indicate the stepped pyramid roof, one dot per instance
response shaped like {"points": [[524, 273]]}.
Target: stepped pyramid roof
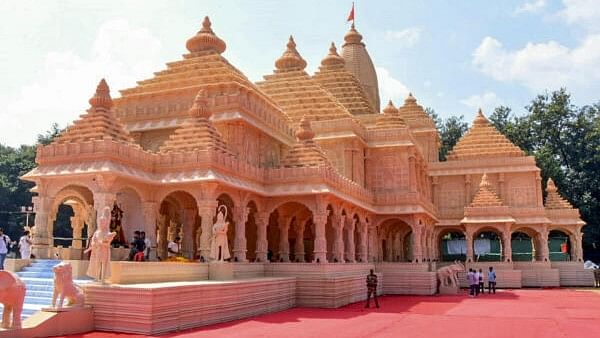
{"points": [[98, 123], [390, 119], [485, 196], [483, 140], [554, 200], [306, 152], [197, 132], [413, 113], [299, 94], [203, 67], [334, 77]]}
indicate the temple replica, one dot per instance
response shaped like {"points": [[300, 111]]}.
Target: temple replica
{"points": [[319, 185]]}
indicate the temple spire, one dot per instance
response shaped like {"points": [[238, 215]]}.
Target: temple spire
{"points": [[306, 152]]}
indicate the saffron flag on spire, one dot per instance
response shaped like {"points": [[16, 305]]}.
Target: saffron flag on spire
{"points": [[351, 15]]}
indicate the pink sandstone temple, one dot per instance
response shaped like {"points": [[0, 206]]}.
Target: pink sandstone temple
{"points": [[321, 184]]}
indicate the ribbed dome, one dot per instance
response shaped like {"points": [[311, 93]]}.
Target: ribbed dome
{"points": [[553, 199], [101, 98], [485, 196], [291, 59], [390, 108], [205, 40], [390, 119], [306, 152]]}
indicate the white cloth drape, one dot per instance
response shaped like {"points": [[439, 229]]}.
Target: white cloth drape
{"points": [[482, 246]]}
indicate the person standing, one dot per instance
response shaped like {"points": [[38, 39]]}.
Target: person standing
{"points": [[472, 282], [491, 280], [4, 246], [372, 289], [481, 285], [25, 243], [147, 244]]}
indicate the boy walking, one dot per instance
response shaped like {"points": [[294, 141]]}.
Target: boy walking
{"points": [[472, 282], [491, 280]]}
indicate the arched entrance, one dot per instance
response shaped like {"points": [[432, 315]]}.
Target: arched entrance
{"points": [[70, 222], [452, 245], [178, 217], [559, 244], [395, 241], [130, 204], [290, 233], [488, 245]]}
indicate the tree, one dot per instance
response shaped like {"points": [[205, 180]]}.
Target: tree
{"points": [[450, 130]]}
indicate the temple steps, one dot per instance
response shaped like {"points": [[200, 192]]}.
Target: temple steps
{"points": [[39, 280]]}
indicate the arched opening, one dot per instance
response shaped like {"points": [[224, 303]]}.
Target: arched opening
{"points": [[178, 218], [453, 245], [70, 222], [395, 241], [487, 246], [559, 244], [131, 219], [251, 232], [523, 249], [290, 234]]}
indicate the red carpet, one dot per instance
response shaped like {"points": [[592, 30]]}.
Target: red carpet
{"points": [[509, 313]]}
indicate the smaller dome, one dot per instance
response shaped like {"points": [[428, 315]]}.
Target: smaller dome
{"points": [[333, 58], [304, 131], [200, 107], [205, 40], [410, 99], [353, 36], [291, 59], [101, 98], [390, 109]]}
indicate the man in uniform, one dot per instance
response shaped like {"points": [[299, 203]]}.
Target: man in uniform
{"points": [[372, 289]]}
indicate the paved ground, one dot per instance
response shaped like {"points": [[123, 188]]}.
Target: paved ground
{"points": [[509, 313]]}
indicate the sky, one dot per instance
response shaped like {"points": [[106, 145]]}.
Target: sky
{"points": [[454, 56]]}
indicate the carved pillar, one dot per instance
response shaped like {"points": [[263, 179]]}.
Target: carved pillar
{"points": [[262, 245], [161, 236], [338, 244], [149, 212], [507, 244], [577, 247], [467, 189], [350, 248], [412, 173], [77, 226], [320, 220], [434, 192], [372, 243], [284, 243], [187, 240], [363, 254], [469, 239], [240, 218], [418, 243], [299, 248], [206, 211], [538, 190], [543, 245]]}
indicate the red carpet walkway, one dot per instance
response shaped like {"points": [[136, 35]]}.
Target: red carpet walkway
{"points": [[509, 313]]}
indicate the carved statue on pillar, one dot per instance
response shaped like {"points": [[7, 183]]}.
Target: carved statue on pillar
{"points": [[219, 249], [239, 249], [116, 226]]}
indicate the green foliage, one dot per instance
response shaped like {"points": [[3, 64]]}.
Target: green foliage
{"points": [[450, 129]]}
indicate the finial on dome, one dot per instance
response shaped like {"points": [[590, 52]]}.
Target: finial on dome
{"points": [[200, 107], [101, 98], [304, 131], [551, 187], [205, 40], [480, 119], [332, 58], [410, 99], [290, 59], [390, 108], [484, 181], [353, 36]]}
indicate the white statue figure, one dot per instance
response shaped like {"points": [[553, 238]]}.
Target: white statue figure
{"points": [[448, 277], [99, 267], [64, 287], [219, 248]]}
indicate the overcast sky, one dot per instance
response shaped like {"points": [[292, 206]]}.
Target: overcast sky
{"points": [[455, 56]]}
